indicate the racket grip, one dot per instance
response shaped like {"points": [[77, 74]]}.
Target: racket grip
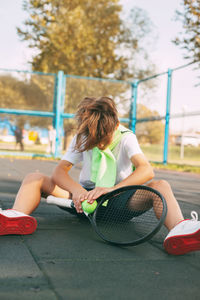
{"points": [[59, 201]]}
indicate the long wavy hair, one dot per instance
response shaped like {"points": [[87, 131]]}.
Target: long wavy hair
{"points": [[97, 119]]}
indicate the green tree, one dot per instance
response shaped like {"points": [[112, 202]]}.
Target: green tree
{"points": [[87, 38], [32, 93], [189, 38], [149, 132]]}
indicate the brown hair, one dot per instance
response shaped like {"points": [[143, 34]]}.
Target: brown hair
{"points": [[97, 119]]}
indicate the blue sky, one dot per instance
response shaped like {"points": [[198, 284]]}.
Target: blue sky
{"points": [[14, 54], [161, 13]]}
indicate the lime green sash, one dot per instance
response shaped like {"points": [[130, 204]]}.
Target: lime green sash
{"points": [[104, 165]]}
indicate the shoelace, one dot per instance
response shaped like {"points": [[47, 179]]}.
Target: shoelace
{"points": [[194, 215]]}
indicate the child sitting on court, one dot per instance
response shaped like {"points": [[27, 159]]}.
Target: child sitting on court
{"points": [[99, 132]]}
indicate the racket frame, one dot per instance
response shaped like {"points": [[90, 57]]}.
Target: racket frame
{"points": [[146, 237]]}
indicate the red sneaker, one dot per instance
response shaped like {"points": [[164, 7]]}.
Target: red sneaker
{"points": [[184, 237], [15, 222]]}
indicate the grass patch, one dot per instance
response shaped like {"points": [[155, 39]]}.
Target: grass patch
{"points": [[177, 167], [154, 153], [191, 155]]}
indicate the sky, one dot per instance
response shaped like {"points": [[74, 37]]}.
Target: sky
{"points": [[14, 54]]}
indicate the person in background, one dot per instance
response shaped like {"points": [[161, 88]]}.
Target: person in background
{"points": [[18, 132], [51, 139]]}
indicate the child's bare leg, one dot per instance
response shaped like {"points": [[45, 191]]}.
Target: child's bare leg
{"points": [[174, 214], [29, 194]]}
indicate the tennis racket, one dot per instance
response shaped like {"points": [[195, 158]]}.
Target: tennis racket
{"points": [[126, 216]]}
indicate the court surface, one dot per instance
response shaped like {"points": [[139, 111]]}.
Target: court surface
{"points": [[64, 259]]}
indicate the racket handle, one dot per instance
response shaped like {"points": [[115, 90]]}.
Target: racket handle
{"points": [[59, 201]]}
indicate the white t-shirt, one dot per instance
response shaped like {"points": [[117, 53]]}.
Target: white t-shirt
{"points": [[123, 152]]}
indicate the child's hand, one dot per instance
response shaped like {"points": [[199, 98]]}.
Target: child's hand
{"points": [[97, 192], [78, 198]]}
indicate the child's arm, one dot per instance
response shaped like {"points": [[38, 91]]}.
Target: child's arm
{"points": [[143, 172], [62, 178]]}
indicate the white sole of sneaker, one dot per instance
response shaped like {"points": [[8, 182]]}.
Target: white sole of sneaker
{"points": [[19, 225], [182, 244]]}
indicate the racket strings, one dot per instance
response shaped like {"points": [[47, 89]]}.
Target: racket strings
{"points": [[129, 215]]}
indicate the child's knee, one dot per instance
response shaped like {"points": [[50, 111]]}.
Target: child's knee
{"points": [[35, 177], [160, 184]]}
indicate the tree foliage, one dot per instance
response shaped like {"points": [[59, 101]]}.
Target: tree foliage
{"points": [[86, 37], [151, 131], [189, 38], [27, 93]]}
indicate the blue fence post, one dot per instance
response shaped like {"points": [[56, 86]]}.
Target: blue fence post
{"points": [[55, 99], [167, 117], [61, 126], [133, 108], [59, 109]]}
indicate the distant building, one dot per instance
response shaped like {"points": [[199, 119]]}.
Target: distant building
{"points": [[188, 139]]}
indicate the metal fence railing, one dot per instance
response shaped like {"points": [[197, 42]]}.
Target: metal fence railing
{"points": [[147, 106]]}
